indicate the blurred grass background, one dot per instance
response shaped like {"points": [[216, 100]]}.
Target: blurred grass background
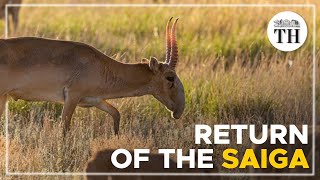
{"points": [[230, 71]]}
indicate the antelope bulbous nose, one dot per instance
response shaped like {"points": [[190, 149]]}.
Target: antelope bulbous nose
{"points": [[177, 114]]}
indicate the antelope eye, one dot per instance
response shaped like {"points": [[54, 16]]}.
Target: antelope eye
{"points": [[171, 79]]}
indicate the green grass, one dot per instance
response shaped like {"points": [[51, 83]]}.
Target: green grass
{"points": [[230, 72]]}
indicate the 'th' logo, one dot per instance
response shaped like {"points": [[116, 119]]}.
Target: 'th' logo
{"points": [[291, 30], [287, 31]]}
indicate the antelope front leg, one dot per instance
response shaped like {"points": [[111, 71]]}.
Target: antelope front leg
{"points": [[108, 108], [3, 100]]}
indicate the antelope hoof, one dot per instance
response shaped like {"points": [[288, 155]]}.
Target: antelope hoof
{"points": [[65, 132]]}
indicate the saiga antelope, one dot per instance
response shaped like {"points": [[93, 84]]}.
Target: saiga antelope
{"points": [[73, 73], [12, 11]]}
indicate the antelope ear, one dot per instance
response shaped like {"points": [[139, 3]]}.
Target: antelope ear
{"points": [[154, 64], [144, 60]]}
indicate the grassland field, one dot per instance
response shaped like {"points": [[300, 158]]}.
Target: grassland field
{"points": [[230, 71]]}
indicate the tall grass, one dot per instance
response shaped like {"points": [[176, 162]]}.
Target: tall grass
{"points": [[230, 72]]}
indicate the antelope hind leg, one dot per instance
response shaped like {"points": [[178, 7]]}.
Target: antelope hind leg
{"points": [[15, 18], [70, 104]]}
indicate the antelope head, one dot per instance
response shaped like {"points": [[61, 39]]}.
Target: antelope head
{"points": [[166, 85]]}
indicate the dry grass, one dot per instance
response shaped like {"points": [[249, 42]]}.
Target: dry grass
{"points": [[230, 72]]}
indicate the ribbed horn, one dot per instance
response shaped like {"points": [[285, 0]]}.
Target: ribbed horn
{"points": [[168, 41], [174, 47]]}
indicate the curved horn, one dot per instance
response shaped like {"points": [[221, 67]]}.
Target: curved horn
{"points": [[174, 47], [168, 41]]}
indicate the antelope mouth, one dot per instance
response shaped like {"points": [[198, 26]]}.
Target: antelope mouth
{"points": [[176, 115]]}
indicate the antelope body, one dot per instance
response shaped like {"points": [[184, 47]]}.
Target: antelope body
{"points": [[73, 73], [12, 11]]}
